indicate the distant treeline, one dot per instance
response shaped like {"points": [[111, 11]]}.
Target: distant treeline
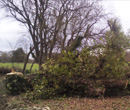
{"points": [[17, 55]]}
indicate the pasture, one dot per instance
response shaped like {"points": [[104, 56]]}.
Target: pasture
{"points": [[20, 66]]}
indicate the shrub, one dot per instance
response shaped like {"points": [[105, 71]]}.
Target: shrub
{"points": [[4, 70], [16, 84], [66, 76], [113, 66], [76, 73]]}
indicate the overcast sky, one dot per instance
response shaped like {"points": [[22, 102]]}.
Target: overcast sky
{"points": [[121, 9], [10, 30]]}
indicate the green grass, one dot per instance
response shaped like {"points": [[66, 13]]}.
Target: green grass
{"points": [[20, 65]]}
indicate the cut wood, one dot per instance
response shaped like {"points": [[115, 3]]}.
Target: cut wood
{"points": [[115, 83]]}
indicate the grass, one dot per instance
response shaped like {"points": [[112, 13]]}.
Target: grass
{"points": [[20, 65]]}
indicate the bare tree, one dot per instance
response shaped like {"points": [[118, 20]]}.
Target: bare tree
{"points": [[54, 24]]}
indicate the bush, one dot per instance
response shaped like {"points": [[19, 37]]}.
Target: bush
{"points": [[16, 84], [76, 74], [113, 66], [4, 70], [67, 76]]}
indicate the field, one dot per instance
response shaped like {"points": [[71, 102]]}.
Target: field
{"points": [[19, 65]]}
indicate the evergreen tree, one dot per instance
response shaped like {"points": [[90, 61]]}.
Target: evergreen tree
{"points": [[112, 60], [18, 55], [76, 43]]}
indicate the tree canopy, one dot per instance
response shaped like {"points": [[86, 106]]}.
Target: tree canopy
{"points": [[54, 25], [18, 55]]}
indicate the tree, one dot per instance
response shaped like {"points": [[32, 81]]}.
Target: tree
{"points": [[54, 25], [112, 59], [18, 55], [116, 40], [5, 57]]}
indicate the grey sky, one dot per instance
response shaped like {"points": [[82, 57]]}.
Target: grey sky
{"points": [[121, 10], [10, 30]]}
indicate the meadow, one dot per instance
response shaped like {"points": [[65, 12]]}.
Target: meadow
{"points": [[20, 66]]}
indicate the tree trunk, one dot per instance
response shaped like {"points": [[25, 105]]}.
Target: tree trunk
{"points": [[115, 83], [26, 61], [31, 66]]}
